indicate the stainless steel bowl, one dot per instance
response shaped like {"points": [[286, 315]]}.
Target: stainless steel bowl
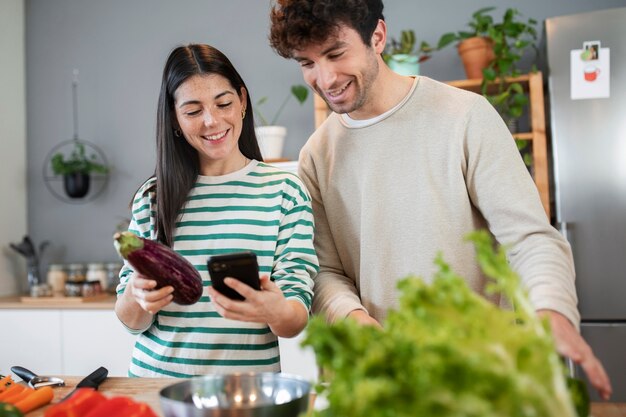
{"points": [[237, 395]]}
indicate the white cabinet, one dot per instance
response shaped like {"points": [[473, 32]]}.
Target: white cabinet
{"points": [[296, 360], [92, 339], [78, 341], [64, 342], [32, 339]]}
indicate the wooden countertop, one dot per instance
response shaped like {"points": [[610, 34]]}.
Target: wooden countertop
{"points": [[147, 390], [141, 389], [57, 303]]}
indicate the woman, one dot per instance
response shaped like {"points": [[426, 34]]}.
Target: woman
{"points": [[211, 194]]}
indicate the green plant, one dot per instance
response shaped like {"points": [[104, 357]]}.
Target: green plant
{"points": [[406, 46], [481, 24], [78, 162], [511, 38], [300, 92], [445, 351]]}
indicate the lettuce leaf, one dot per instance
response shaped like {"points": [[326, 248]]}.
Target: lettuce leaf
{"points": [[446, 351]]}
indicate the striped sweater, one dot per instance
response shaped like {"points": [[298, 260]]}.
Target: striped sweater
{"points": [[259, 208]]}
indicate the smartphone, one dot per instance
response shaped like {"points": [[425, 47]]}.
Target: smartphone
{"points": [[240, 265]]}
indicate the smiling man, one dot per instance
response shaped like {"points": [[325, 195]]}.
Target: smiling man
{"points": [[405, 167]]}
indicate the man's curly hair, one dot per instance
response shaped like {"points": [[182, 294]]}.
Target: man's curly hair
{"points": [[297, 24]]}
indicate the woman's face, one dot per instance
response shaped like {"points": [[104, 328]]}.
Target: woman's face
{"points": [[209, 114]]}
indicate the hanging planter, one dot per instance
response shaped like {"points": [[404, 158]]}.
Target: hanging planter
{"points": [[76, 170], [76, 162], [76, 184]]}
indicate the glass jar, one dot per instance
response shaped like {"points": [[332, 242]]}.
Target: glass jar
{"points": [[96, 272], [73, 288], [113, 276], [76, 272], [90, 288], [56, 278]]}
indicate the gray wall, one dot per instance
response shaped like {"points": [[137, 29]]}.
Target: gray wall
{"points": [[120, 47]]}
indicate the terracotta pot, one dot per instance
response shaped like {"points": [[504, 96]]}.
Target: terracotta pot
{"points": [[476, 54]]}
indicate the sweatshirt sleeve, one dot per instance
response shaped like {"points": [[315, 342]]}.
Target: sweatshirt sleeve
{"points": [[295, 262], [500, 186], [142, 223], [336, 294]]}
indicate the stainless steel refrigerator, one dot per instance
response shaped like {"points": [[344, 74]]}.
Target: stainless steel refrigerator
{"points": [[587, 84]]}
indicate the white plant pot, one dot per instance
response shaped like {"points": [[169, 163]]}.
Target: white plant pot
{"points": [[271, 140]]}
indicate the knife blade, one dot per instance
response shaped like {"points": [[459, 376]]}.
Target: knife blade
{"points": [[93, 380]]}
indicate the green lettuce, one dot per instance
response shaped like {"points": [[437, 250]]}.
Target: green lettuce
{"points": [[446, 351]]}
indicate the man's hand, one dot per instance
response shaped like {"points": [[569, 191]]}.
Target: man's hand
{"points": [[363, 318], [570, 343]]}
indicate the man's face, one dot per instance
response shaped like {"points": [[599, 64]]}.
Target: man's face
{"points": [[342, 70]]}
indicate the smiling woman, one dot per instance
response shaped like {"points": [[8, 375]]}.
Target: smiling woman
{"points": [[212, 194], [210, 116]]}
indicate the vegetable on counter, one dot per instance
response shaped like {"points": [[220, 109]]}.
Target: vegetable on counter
{"points": [[79, 404], [5, 383], [446, 351], [87, 402], [9, 410], [25, 399], [162, 264]]}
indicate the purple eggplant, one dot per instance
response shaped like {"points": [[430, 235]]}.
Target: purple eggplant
{"points": [[162, 264]]}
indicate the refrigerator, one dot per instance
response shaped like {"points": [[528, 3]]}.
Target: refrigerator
{"points": [[586, 58]]}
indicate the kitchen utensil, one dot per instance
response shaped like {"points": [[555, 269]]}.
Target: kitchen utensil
{"points": [[93, 380], [237, 395], [36, 381]]}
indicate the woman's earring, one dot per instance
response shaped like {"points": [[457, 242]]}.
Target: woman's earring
{"points": [[243, 113], [177, 133]]}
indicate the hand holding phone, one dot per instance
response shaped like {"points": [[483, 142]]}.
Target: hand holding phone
{"points": [[239, 265]]}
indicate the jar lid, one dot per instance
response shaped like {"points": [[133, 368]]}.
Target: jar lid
{"points": [[114, 265], [75, 266], [95, 265], [56, 267]]}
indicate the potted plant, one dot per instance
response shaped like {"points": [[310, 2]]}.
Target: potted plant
{"points": [[271, 137], [475, 46], [76, 170], [402, 56], [503, 45]]}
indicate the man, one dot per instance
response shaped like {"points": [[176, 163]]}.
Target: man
{"points": [[404, 168]]}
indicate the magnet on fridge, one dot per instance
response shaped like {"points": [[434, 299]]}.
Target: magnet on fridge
{"points": [[591, 51]]}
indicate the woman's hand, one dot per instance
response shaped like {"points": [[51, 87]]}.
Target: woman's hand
{"points": [[150, 300], [269, 305]]}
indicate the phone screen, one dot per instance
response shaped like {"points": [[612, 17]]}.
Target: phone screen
{"points": [[240, 265]]}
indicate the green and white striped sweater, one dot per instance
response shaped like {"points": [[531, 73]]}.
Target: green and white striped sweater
{"points": [[259, 208]]}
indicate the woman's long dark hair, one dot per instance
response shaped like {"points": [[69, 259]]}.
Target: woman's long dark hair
{"points": [[178, 164]]}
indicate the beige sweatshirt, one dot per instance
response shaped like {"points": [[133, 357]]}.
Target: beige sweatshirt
{"points": [[389, 196]]}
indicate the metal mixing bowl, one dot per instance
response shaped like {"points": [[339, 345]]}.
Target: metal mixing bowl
{"points": [[237, 395]]}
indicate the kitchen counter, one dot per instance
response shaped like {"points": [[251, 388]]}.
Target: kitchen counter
{"points": [[147, 390], [58, 303]]}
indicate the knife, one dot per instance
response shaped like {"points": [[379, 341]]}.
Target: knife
{"points": [[93, 380]]}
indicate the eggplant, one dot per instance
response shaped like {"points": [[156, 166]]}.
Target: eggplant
{"points": [[162, 264]]}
